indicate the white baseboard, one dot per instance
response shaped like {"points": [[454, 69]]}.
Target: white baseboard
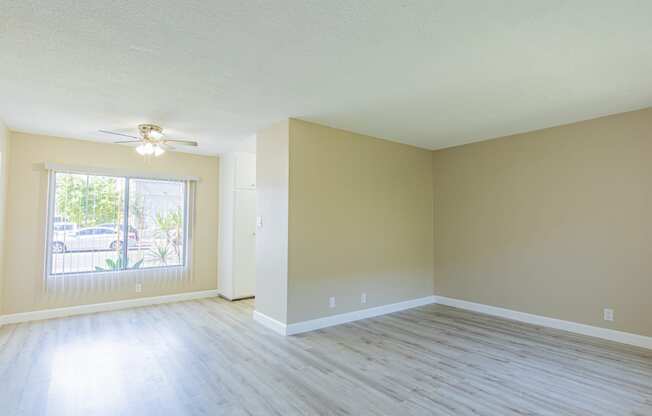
{"points": [[311, 325], [271, 323], [593, 331], [343, 318], [103, 307], [305, 326]]}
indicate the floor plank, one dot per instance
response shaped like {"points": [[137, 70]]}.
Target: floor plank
{"points": [[208, 357]]}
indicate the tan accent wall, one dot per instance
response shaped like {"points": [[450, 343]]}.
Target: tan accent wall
{"points": [[360, 220], [4, 174], [272, 173], [26, 207], [556, 222]]}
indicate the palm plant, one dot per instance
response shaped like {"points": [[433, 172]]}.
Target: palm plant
{"points": [[160, 253], [169, 224], [118, 263]]}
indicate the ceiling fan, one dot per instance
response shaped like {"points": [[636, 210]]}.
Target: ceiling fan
{"points": [[152, 140]]}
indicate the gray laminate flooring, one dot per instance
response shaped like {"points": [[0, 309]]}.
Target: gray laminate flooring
{"points": [[208, 357]]}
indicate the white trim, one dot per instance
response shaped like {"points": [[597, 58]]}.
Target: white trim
{"points": [[305, 326], [583, 329], [343, 318], [94, 170], [103, 307], [271, 323]]}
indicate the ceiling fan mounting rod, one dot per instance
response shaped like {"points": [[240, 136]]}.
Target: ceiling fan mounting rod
{"points": [[147, 129]]}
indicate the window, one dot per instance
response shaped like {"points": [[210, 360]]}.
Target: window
{"points": [[108, 223]]}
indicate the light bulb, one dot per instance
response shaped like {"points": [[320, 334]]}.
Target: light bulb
{"points": [[141, 150], [156, 135], [149, 149], [158, 150]]}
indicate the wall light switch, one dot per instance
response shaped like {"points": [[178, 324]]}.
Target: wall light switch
{"points": [[259, 221], [363, 298], [608, 314], [331, 302], [139, 287]]}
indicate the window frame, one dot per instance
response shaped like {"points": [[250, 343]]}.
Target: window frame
{"points": [[50, 221]]}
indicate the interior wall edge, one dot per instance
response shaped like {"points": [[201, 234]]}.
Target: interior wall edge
{"points": [[270, 323], [5, 140]]}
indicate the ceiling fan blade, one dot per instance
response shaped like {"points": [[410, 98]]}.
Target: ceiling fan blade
{"points": [[183, 142], [128, 141], [119, 134]]}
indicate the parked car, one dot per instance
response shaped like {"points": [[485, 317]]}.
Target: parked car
{"points": [[90, 239], [132, 230]]}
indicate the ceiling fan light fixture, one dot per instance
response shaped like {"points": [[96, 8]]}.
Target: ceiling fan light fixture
{"points": [[146, 149], [151, 140], [155, 134]]}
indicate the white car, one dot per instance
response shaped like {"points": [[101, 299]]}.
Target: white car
{"points": [[90, 239]]}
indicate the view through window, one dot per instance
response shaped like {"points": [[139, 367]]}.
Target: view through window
{"points": [[87, 231]]}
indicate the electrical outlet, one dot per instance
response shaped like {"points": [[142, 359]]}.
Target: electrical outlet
{"points": [[363, 298], [139, 287], [331, 302], [608, 314]]}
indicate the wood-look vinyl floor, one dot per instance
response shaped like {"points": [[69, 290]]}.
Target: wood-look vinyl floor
{"points": [[208, 357]]}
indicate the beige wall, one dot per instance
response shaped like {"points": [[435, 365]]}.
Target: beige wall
{"points": [[272, 205], [556, 222], [360, 221], [24, 242], [4, 170]]}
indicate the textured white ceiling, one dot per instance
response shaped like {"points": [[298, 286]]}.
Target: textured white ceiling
{"points": [[430, 73]]}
